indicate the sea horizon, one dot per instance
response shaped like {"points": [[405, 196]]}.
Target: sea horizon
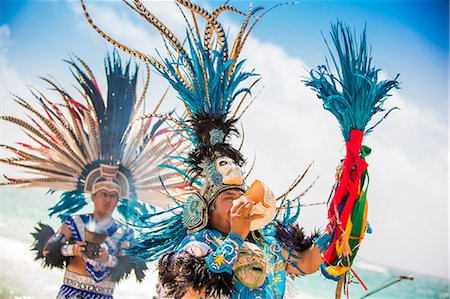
{"points": [[22, 277]]}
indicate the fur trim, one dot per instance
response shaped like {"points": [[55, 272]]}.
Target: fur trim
{"points": [[125, 264], [202, 124], [45, 239], [179, 271], [293, 237]]}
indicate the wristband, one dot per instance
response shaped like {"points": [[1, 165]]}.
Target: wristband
{"points": [[236, 238], [111, 262], [67, 250], [323, 242]]}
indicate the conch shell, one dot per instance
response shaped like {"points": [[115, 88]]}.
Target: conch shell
{"points": [[264, 204]]}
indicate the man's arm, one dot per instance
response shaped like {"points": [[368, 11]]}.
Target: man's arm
{"points": [[200, 270], [302, 254], [62, 240], [304, 262], [52, 247]]}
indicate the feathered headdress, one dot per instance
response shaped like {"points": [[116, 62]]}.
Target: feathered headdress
{"points": [[354, 95], [207, 74], [84, 147]]}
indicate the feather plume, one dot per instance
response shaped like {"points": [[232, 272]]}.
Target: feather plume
{"points": [[75, 138], [354, 94]]}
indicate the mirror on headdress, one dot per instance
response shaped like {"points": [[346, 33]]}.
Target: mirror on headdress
{"points": [[230, 171]]}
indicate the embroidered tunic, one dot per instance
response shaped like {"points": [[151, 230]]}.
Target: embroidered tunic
{"points": [[222, 252], [98, 285]]}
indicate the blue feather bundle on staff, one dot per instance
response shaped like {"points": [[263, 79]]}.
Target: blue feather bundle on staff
{"points": [[354, 95]]}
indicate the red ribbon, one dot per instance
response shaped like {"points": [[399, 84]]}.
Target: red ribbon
{"points": [[347, 189]]}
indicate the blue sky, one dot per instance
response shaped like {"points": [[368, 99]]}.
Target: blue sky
{"points": [[410, 159], [420, 29]]}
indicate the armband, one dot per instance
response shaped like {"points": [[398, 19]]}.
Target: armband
{"points": [[223, 259], [47, 245], [67, 250], [111, 262]]}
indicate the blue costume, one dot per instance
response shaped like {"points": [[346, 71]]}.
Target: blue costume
{"points": [[207, 73], [223, 254], [99, 284]]}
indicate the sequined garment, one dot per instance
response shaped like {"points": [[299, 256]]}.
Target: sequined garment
{"points": [[99, 273], [222, 253]]}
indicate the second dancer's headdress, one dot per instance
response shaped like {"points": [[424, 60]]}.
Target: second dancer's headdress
{"points": [[81, 148]]}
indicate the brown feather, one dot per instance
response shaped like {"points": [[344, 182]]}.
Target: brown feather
{"points": [[57, 133], [31, 129], [221, 36], [144, 12], [144, 92], [33, 158], [296, 182], [135, 53]]}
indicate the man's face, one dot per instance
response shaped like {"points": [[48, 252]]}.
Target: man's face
{"points": [[105, 202], [219, 218]]}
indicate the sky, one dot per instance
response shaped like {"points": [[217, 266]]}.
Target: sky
{"points": [[286, 127]]}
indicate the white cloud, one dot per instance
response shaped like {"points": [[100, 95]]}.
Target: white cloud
{"points": [[10, 81], [287, 127]]}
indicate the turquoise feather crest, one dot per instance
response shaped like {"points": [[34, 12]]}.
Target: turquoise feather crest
{"points": [[206, 81], [354, 94]]}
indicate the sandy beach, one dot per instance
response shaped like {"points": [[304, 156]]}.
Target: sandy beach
{"points": [[22, 277]]}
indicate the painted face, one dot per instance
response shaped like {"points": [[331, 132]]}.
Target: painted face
{"points": [[219, 217], [250, 268], [105, 202], [230, 171]]}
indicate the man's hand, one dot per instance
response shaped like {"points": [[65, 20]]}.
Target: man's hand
{"points": [[240, 217], [78, 249]]}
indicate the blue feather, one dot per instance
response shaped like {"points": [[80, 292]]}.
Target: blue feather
{"points": [[70, 202], [212, 89], [285, 218], [115, 115], [133, 208], [120, 103], [354, 94], [157, 236]]}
